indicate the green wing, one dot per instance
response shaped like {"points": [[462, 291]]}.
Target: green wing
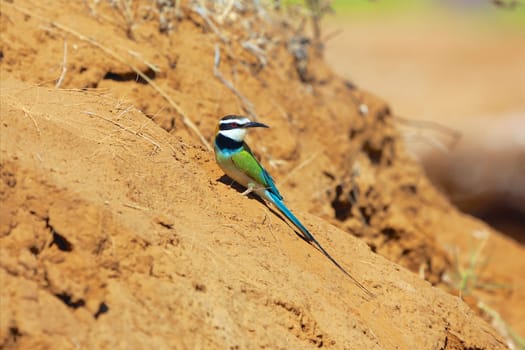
{"points": [[246, 162]]}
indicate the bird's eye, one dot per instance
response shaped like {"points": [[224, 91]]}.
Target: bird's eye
{"points": [[234, 125]]}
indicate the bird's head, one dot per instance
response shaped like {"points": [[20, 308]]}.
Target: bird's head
{"points": [[235, 126]]}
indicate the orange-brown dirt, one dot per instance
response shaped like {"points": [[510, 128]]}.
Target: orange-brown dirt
{"points": [[119, 231]]}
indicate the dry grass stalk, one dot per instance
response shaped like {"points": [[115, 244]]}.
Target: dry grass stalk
{"points": [[64, 67], [248, 106], [185, 119]]}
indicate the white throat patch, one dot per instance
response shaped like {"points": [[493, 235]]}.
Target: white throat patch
{"points": [[234, 134]]}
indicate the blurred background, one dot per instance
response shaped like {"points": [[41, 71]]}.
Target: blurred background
{"points": [[458, 64]]}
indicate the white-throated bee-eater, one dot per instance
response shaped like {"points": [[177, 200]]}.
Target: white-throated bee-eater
{"points": [[238, 162]]}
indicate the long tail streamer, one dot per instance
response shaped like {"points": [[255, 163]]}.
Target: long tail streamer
{"points": [[290, 216]]}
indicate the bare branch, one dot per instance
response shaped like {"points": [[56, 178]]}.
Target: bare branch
{"points": [[185, 119], [64, 67], [248, 106]]}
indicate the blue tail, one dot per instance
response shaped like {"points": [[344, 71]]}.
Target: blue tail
{"points": [[289, 215], [277, 201]]}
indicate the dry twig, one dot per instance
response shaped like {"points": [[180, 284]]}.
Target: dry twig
{"points": [[28, 114], [226, 11], [203, 12], [185, 119], [300, 166], [427, 124], [64, 67], [248, 106], [125, 128]]}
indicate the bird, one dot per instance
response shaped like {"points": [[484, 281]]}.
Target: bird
{"points": [[237, 161]]}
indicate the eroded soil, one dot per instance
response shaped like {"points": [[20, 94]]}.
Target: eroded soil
{"points": [[119, 231]]}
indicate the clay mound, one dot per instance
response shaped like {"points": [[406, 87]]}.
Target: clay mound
{"points": [[124, 238], [119, 231]]}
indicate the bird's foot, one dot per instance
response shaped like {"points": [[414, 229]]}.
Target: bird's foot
{"points": [[249, 190]]}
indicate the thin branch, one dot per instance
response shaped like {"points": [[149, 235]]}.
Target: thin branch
{"points": [[256, 51], [120, 126], [138, 56], [299, 167], [427, 124], [203, 12], [28, 114], [185, 119], [331, 35], [134, 206], [248, 106], [427, 140], [64, 67], [226, 11]]}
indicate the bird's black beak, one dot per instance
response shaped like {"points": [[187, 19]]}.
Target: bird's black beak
{"points": [[255, 125]]}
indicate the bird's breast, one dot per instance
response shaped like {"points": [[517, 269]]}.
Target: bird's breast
{"points": [[227, 165]]}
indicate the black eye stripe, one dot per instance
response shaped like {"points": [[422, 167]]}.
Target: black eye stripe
{"points": [[228, 126]]}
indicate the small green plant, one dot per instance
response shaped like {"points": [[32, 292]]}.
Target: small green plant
{"points": [[466, 278]]}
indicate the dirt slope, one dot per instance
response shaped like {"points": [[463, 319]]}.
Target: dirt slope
{"points": [[114, 241], [118, 230]]}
